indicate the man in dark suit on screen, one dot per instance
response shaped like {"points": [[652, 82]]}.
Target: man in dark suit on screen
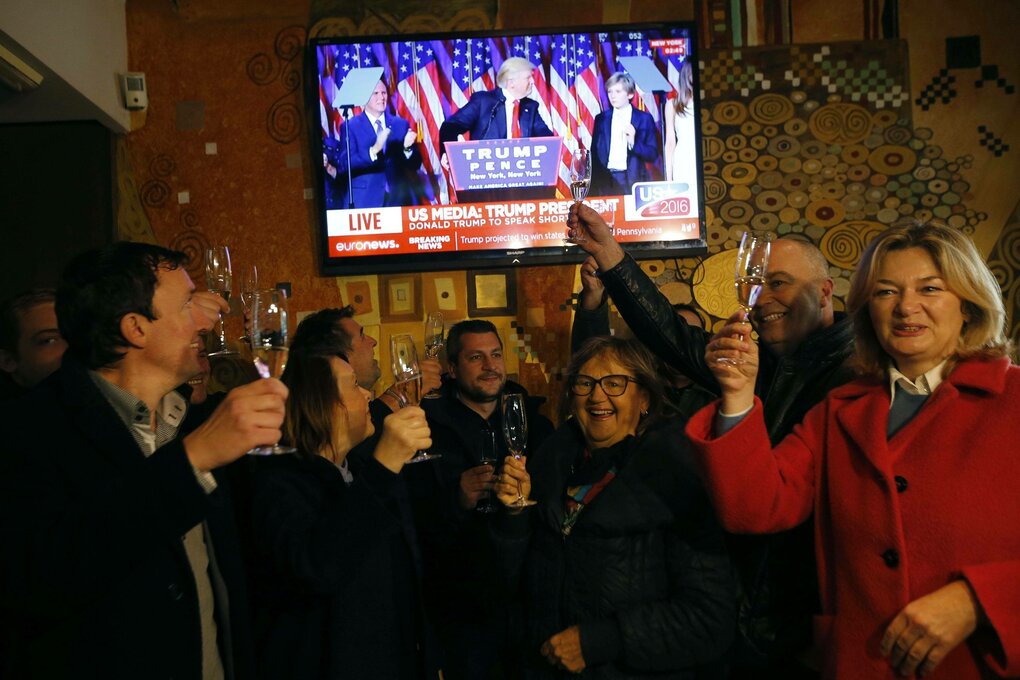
{"points": [[623, 141], [504, 113], [492, 115], [383, 162]]}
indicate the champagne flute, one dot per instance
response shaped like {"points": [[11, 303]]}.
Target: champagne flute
{"points": [[219, 280], [407, 380], [434, 329], [269, 346], [249, 284], [580, 182], [515, 432], [749, 276], [488, 457]]}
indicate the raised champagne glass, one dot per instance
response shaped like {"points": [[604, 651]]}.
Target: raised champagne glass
{"points": [[269, 322], [435, 328], [580, 182], [749, 276], [515, 432], [219, 280], [407, 380]]}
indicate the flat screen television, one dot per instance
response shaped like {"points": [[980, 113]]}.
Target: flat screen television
{"points": [[428, 164]]}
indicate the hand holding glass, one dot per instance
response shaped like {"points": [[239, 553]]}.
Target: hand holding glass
{"points": [[515, 432], [749, 276], [434, 330], [407, 380], [269, 345]]}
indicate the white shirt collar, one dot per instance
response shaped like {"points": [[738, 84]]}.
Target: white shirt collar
{"points": [[925, 383]]}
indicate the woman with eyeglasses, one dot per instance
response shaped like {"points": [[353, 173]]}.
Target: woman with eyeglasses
{"points": [[622, 562]]}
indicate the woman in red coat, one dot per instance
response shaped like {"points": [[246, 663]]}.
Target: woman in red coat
{"points": [[912, 470]]}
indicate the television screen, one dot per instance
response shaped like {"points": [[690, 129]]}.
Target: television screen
{"points": [[462, 150]]}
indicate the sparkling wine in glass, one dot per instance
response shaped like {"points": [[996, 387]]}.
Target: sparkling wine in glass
{"points": [[515, 432], [488, 456], [407, 380], [435, 327], [219, 280], [269, 345], [749, 276], [580, 181]]}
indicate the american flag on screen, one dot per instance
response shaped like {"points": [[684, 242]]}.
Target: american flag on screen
{"points": [[431, 79], [417, 97]]}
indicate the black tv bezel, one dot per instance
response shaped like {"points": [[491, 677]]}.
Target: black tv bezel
{"points": [[355, 265]]}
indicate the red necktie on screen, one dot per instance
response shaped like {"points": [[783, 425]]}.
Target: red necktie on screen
{"points": [[515, 130]]}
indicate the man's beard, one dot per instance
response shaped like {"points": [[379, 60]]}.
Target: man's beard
{"points": [[479, 397]]}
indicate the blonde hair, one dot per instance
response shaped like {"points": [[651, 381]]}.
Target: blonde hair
{"points": [[684, 88], [966, 275], [511, 67]]}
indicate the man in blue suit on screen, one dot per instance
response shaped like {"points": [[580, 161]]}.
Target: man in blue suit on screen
{"points": [[384, 158], [623, 141], [503, 113]]}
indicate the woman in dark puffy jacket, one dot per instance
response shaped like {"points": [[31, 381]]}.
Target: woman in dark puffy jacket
{"points": [[622, 562]]}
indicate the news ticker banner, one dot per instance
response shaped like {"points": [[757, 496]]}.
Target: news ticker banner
{"points": [[654, 211], [504, 163]]}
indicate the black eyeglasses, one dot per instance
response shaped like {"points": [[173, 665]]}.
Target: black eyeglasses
{"points": [[613, 385]]}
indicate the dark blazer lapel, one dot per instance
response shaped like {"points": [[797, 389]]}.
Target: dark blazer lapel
{"points": [[92, 414], [606, 137], [529, 114], [501, 123]]}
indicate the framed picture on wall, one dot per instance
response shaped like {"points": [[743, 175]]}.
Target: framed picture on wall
{"points": [[400, 297], [492, 292], [445, 292]]}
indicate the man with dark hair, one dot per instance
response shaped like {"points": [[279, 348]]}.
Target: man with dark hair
{"points": [[30, 342], [461, 569], [120, 556], [806, 345], [337, 326]]}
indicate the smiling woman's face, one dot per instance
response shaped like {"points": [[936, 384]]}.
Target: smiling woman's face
{"points": [[606, 420]]}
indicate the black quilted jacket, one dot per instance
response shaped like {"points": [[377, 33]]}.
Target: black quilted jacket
{"points": [[644, 573], [777, 572]]}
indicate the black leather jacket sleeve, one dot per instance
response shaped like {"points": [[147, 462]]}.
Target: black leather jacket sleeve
{"points": [[650, 316], [589, 324]]}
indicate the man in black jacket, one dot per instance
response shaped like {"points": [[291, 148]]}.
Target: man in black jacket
{"points": [[120, 557], [807, 346], [462, 595]]}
